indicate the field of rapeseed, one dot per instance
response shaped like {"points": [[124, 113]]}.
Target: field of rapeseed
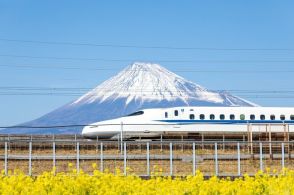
{"points": [[104, 183]]}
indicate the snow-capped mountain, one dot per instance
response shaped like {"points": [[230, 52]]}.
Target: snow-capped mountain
{"points": [[139, 86], [145, 82]]}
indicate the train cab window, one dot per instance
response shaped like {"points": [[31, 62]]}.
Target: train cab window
{"points": [[292, 117], [192, 116], [282, 117], [272, 117], [232, 117], [262, 117], [136, 113], [212, 117], [252, 117], [191, 109], [242, 117], [176, 113], [182, 110], [202, 116], [166, 115], [222, 117]]}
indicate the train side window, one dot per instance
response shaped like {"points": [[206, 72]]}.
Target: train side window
{"points": [[192, 116], [232, 117], [222, 117], [282, 117], [273, 117], [212, 117], [262, 117], [166, 115], [252, 117], [292, 117], [242, 117], [202, 116], [176, 113]]}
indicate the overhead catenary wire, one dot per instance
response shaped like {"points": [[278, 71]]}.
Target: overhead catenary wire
{"points": [[151, 60], [146, 96], [21, 88], [142, 46], [80, 91], [179, 70]]}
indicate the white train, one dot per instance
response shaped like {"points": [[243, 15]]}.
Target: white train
{"points": [[157, 121]]}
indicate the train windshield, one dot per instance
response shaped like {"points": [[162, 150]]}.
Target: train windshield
{"points": [[136, 113]]}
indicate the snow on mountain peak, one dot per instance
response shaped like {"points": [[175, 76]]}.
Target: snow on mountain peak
{"points": [[149, 82]]}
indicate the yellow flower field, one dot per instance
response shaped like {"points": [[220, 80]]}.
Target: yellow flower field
{"points": [[104, 183]]}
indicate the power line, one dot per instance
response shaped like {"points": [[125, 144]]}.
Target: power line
{"points": [[148, 96], [63, 58], [85, 89], [179, 70], [154, 60], [143, 47]]}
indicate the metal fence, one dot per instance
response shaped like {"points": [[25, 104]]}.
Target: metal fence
{"points": [[145, 158]]}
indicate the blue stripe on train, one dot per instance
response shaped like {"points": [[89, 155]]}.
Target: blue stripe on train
{"points": [[228, 121]]}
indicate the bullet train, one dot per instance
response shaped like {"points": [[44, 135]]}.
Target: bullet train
{"points": [[158, 121]]}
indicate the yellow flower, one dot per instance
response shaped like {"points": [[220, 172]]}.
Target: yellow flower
{"points": [[94, 165]]}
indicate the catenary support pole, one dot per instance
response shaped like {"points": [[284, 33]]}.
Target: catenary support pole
{"points": [[239, 159], [101, 157], [202, 140], [30, 158], [76, 142], [160, 142], [148, 159], [54, 156], [260, 156], [182, 139], [5, 159], [8, 142], [283, 156], [251, 139], [171, 158], [215, 159], [125, 158], [224, 138], [121, 137], [194, 159], [270, 140], [78, 157]]}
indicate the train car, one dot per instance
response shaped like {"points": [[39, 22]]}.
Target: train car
{"points": [[158, 121]]}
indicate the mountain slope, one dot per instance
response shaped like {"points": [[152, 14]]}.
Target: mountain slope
{"points": [[139, 86]]}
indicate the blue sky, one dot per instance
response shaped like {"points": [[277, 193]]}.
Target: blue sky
{"points": [[226, 24]]}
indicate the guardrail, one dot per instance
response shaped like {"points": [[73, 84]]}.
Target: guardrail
{"points": [[146, 158]]}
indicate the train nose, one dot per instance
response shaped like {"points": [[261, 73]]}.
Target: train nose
{"points": [[100, 129], [85, 131]]}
